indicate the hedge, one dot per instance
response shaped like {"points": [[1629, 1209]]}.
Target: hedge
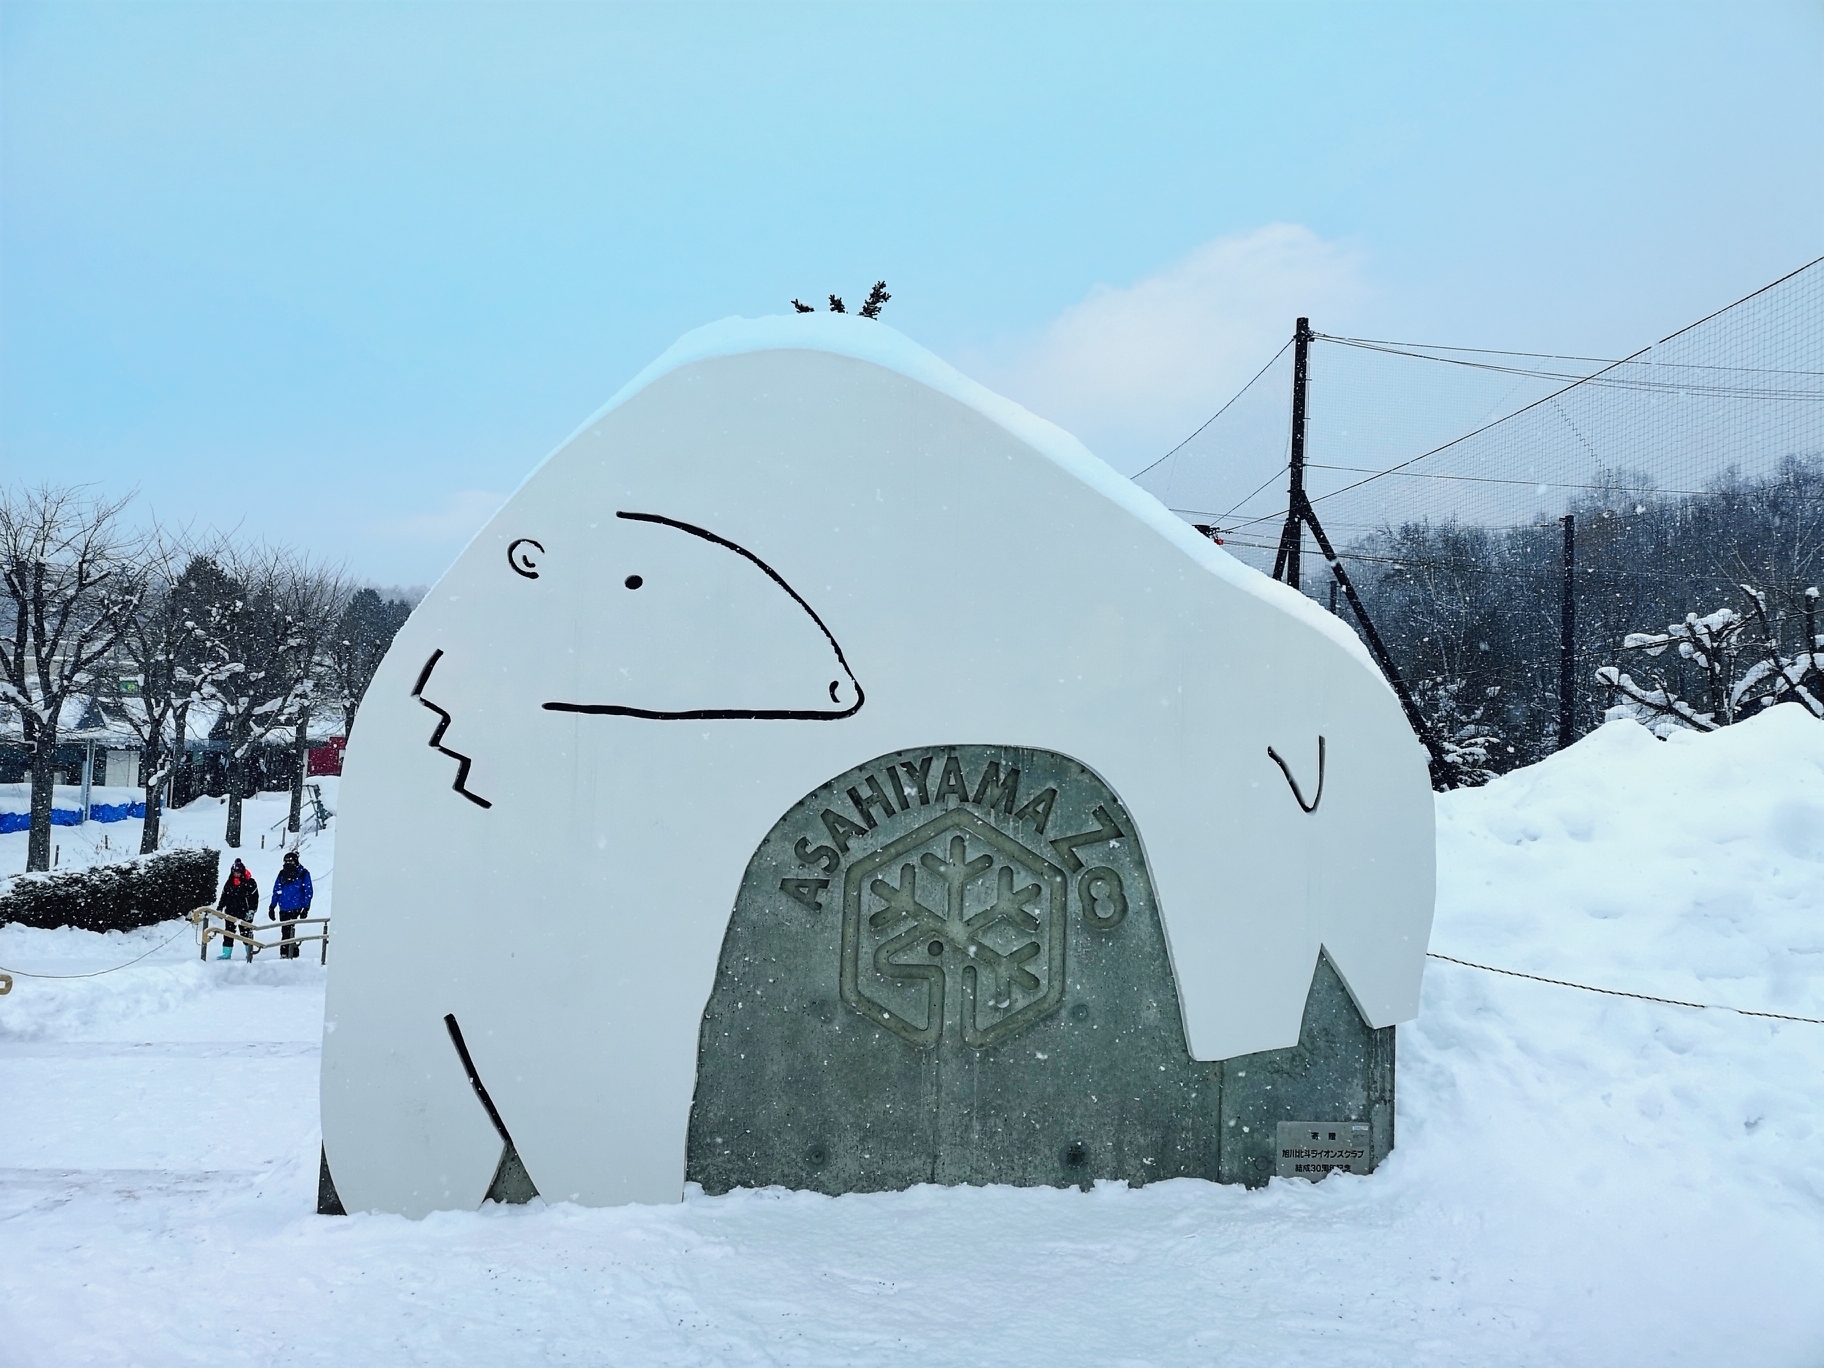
{"points": [[115, 897]]}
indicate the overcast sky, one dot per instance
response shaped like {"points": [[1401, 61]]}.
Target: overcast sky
{"points": [[342, 274]]}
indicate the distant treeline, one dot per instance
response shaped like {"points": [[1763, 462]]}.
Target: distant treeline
{"points": [[1471, 615], [167, 637]]}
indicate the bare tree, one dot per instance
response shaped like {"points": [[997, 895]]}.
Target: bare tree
{"points": [[202, 592], [312, 599], [62, 551], [158, 642], [361, 640], [242, 664]]}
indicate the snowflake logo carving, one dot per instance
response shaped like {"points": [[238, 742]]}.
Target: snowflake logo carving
{"points": [[954, 921]]}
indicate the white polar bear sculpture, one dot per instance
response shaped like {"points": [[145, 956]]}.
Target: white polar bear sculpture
{"points": [[788, 546]]}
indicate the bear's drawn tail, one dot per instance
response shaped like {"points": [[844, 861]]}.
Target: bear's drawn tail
{"points": [[443, 724]]}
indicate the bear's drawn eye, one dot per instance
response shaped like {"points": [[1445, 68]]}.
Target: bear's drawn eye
{"points": [[523, 561], [634, 581]]}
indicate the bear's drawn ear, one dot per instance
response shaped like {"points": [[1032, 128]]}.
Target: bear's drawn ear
{"points": [[523, 555]]}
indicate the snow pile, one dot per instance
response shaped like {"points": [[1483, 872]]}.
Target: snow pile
{"points": [[168, 977], [1579, 1178], [1689, 868]]}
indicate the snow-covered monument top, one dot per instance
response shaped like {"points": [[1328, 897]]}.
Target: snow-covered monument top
{"points": [[800, 617]]}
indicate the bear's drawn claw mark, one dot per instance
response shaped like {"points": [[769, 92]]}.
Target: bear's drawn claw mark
{"points": [[511, 1184], [443, 724], [1286, 770], [522, 561], [468, 1065], [708, 714]]}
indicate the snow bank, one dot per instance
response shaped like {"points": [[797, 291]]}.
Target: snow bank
{"points": [[169, 976], [1689, 868]]}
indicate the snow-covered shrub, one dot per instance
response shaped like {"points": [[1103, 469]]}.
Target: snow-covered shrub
{"points": [[115, 897]]}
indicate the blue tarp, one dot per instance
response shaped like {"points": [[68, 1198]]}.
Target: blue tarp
{"points": [[98, 812]]}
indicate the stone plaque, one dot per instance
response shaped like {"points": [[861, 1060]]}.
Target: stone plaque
{"points": [[947, 965], [1311, 1149]]}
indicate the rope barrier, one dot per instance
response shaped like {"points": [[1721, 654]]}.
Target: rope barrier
{"points": [[96, 973], [198, 918], [1617, 992]]}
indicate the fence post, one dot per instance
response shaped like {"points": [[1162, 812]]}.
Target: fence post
{"points": [[88, 775], [1567, 632]]}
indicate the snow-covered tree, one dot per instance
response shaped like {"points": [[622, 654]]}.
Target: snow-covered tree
{"points": [[359, 644], [157, 644], [1463, 720], [243, 666], [312, 599], [201, 594], [62, 557], [1726, 665]]}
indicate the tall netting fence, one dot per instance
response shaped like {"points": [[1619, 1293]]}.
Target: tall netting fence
{"points": [[1692, 472]]}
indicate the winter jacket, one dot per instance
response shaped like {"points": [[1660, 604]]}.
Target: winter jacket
{"points": [[291, 891], [240, 895]]}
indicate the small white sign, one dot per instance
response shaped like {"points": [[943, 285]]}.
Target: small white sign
{"points": [[1310, 1149]]}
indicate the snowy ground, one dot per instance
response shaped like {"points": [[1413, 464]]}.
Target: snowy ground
{"points": [[1579, 1179]]}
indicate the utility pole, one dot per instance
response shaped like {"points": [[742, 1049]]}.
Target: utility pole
{"points": [[1567, 632], [1299, 515], [1287, 563]]}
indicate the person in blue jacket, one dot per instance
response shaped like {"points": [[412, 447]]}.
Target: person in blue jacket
{"points": [[291, 894]]}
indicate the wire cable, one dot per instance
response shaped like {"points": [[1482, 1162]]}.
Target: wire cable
{"points": [[1617, 992], [1219, 412]]}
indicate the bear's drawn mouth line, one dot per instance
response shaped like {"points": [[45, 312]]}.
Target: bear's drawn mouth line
{"points": [[436, 742], [721, 714]]}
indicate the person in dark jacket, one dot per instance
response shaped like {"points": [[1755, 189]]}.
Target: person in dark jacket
{"points": [[291, 895], [240, 898]]}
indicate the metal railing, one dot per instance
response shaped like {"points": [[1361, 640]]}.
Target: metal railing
{"points": [[245, 931]]}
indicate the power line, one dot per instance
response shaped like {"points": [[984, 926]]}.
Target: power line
{"points": [[1439, 346], [1257, 488], [1584, 573], [1623, 381], [1534, 484], [1219, 412], [1475, 432], [1420, 350]]}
